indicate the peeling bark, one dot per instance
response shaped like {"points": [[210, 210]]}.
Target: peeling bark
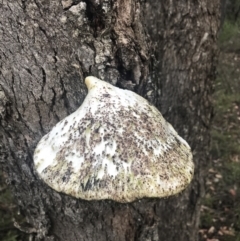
{"points": [[164, 51]]}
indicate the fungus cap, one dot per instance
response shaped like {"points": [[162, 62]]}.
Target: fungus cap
{"points": [[117, 146]]}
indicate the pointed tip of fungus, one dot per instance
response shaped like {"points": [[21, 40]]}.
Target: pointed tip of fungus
{"points": [[115, 146], [91, 82]]}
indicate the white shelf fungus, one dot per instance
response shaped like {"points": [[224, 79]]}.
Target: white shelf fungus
{"points": [[115, 146]]}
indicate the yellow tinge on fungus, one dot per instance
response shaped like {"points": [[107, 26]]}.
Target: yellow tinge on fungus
{"points": [[114, 146]]}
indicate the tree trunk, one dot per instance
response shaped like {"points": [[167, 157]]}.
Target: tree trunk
{"points": [[49, 47]]}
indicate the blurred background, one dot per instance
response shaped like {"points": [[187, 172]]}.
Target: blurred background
{"points": [[220, 211], [220, 217]]}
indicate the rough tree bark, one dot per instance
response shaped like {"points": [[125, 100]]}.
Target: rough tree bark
{"points": [[49, 47]]}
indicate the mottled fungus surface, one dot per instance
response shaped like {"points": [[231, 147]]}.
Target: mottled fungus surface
{"points": [[115, 146]]}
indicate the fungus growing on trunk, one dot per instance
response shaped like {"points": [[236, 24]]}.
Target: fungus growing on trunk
{"points": [[117, 146]]}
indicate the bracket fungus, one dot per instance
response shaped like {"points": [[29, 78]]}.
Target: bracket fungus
{"points": [[117, 146]]}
